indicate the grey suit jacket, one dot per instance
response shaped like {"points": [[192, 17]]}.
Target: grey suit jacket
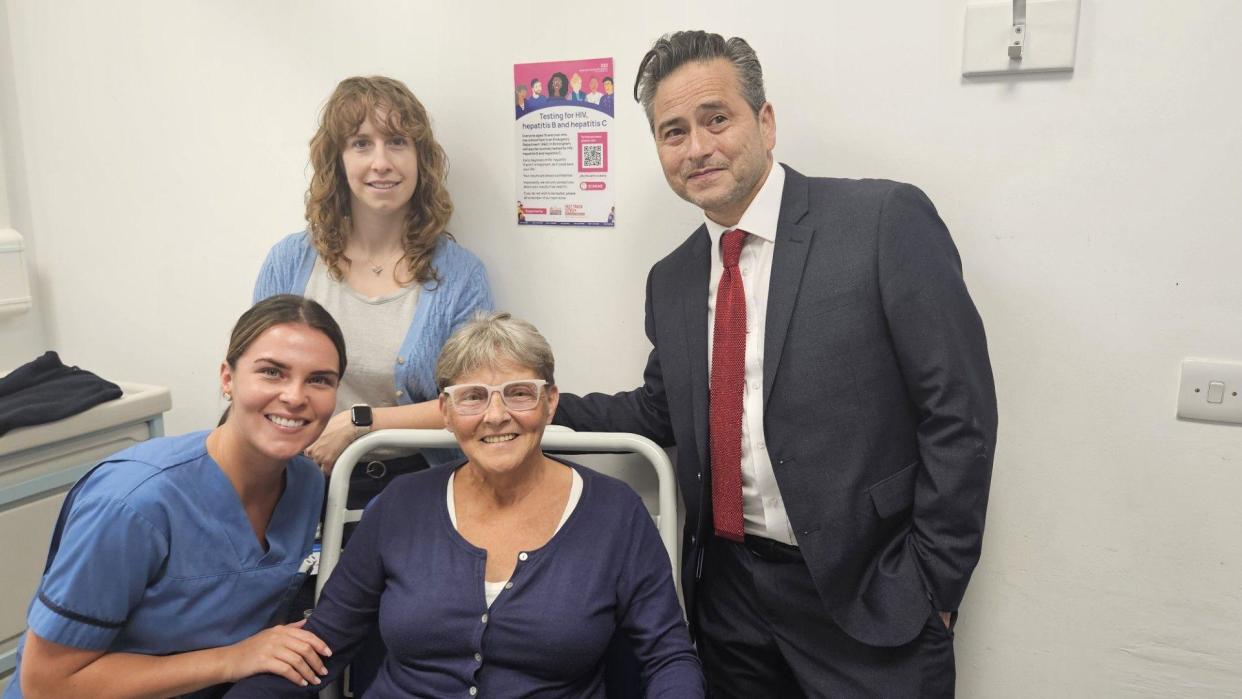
{"points": [[879, 405]]}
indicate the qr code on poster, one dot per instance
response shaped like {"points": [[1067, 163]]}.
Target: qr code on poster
{"points": [[592, 155]]}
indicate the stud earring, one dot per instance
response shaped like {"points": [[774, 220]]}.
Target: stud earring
{"points": [[228, 397]]}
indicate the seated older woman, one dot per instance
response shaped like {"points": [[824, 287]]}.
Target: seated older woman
{"points": [[508, 574]]}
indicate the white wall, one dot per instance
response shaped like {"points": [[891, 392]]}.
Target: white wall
{"points": [[1097, 216], [4, 187], [22, 336]]}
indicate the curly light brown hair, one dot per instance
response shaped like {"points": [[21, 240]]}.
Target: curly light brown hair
{"points": [[394, 111]]}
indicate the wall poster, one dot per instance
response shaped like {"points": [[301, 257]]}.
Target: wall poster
{"points": [[563, 120]]}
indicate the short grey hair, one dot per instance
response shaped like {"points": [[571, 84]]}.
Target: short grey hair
{"points": [[490, 339], [672, 51]]}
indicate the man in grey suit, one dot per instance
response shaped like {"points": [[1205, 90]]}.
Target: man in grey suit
{"points": [[824, 374]]}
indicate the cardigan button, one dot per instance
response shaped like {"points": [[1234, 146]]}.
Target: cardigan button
{"points": [[523, 556], [483, 618], [474, 691], [509, 586], [478, 657]]}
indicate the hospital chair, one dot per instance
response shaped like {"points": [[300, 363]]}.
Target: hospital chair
{"points": [[621, 666]]}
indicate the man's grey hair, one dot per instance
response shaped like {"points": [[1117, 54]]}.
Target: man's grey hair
{"points": [[672, 51], [490, 339]]}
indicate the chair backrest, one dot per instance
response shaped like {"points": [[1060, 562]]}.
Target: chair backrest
{"points": [[337, 514]]}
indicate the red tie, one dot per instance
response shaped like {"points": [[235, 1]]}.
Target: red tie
{"points": [[727, 381]]}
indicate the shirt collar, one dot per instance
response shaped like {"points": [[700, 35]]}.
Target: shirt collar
{"points": [[761, 216]]}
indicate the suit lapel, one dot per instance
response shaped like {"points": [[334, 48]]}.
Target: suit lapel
{"points": [[694, 307], [793, 241]]}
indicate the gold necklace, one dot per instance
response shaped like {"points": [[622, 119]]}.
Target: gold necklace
{"points": [[379, 269]]}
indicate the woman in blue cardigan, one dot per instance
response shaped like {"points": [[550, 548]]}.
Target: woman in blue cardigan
{"points": [[507, 574], [376, 255]]}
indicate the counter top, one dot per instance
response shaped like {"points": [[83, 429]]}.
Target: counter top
{"points": [[138, 402]]}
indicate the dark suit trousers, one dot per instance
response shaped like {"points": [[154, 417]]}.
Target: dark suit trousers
{"points": [[763, 632]]}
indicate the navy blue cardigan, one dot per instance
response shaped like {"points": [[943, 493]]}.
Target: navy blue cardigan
{"points": [[408, 570]]}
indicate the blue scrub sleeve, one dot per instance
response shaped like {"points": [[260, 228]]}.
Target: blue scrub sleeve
{"points": [[108, 555], [651, 617]]}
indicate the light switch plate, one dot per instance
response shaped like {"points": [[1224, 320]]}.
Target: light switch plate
{"points": [[1192, 396], [1051, 37]]}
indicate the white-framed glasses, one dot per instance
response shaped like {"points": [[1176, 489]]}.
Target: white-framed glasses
{"points": [[472, 398]]}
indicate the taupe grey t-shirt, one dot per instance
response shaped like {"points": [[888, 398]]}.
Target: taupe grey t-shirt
{"points": [[374, 329]]}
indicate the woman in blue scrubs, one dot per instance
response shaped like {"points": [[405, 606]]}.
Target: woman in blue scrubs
{"points": [[172, 557]]}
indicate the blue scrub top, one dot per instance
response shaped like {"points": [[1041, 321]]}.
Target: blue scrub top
{"points": [[158, 557]]}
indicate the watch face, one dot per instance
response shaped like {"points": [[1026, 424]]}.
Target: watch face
{"points": [[360, 415]]}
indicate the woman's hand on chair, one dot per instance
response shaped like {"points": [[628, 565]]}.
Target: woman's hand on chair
{"points": [[339, 433]]}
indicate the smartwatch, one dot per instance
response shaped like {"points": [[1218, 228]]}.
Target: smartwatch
{"points": [[362, 418]]}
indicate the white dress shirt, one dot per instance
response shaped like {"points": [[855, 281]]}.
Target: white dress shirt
{"points": [[763, 509]]}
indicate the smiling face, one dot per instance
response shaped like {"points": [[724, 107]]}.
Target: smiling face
{"points": [[715, 151], [500, 440], [381, 168], [283, 391], [536, 88]]}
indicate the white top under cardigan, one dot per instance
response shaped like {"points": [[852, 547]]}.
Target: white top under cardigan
{"points": [[492, 590]]}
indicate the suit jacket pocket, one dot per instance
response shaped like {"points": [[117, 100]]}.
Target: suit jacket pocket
{"points": [[896, 492]]}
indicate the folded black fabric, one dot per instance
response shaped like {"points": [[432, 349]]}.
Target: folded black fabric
{"points": [[45, 390]]}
